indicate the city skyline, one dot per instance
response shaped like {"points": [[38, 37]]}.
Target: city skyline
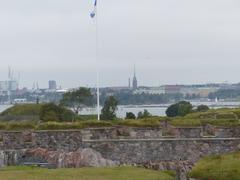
{"points": [[57, 41], [132, 82]]}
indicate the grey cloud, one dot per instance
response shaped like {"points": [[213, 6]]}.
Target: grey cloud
{"points": [[174, 41]]}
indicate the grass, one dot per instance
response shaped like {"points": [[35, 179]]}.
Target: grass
{"points": [[221, 117], [23, 109], [219, 167], [73, 125], [116, 173], [148, 122]]}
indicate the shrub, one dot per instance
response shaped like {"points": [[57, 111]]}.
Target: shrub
{"points": [[109, 109], [53, 112], [202, 108], [179, 109], [130, 115], [144, 114], [86, 117]]}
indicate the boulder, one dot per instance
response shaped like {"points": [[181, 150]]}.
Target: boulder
{"points": [[80, 158]]}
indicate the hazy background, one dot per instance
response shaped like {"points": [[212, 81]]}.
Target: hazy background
{"points": [[171, 42]]}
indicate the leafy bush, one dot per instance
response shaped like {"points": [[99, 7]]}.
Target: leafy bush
{"points": [[202, 108], [181, 108], [144, 114], [109, 109], [130, 115], [86, 117], [53, 112]]}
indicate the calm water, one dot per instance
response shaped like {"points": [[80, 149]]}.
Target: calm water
{"points": [[160, 110], [122, 110], [4, 107], [156, 110]]}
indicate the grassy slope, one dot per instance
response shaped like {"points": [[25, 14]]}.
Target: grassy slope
{"points": [[220, 117], [118, 173], [23, 109], [225, 167]]}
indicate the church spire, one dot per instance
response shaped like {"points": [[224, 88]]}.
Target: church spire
{"points": [[135, 83], [134, 71]]}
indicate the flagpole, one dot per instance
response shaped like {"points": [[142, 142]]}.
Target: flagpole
{"points": [[94, 15], [98, 92]]}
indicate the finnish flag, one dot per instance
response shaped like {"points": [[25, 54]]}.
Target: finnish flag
{"points": [[93, 13]]}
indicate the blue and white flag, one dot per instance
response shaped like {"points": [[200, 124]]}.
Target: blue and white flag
{"points": [[93, 13]]}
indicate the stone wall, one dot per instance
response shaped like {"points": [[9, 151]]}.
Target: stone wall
{"points": [[124, 144], [157, 150]]}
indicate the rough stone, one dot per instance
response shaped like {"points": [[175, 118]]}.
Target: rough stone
{"points": [[80, 158], [106, 146]]}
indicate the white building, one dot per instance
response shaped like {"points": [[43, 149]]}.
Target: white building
{"points": [[19, 101], [12, 85], [8, 85], [201, 91], [3, 86], [150, 90]]}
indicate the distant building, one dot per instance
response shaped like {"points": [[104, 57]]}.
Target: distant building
{"points": [[203, 92], [173, 89], [20, 101], [12, 85], [52, 85], [135, 82], [3, 86], [8, 85], [150, 90]]}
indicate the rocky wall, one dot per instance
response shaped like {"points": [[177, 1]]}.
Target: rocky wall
{"points": [[125, 145], [157, 150]]}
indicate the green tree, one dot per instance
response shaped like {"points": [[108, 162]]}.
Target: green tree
{"points": [[181, 108], [109, 109], [144, 114], [130, 115], [77, 99], [140, 115]]}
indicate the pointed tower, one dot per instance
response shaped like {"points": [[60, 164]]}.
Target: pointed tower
{"points": [[129, 83], [135, 82]]}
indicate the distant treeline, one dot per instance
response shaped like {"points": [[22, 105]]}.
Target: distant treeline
{"points": [[126, 98], [225, 94]]}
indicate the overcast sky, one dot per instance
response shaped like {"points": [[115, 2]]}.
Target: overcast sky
{"points": [[170, 41]]}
